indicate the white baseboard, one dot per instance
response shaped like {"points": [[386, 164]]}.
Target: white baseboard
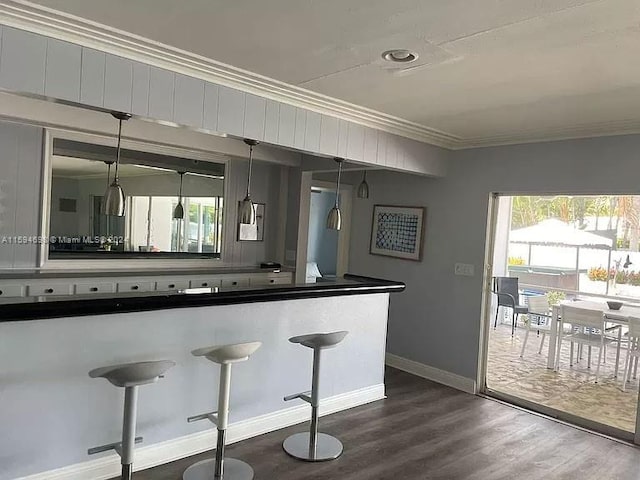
{"points": [[181, 447], [431, 373]]}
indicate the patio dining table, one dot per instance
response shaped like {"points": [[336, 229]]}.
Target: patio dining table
{"points": [[615, 317]]}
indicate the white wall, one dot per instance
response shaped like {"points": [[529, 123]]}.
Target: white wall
{"points": [[437, 320]]}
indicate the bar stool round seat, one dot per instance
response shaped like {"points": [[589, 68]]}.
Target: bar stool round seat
{"points": [[129, 376], [219, 468], [313, 446]]}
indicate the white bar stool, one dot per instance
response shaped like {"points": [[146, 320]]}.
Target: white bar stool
{"points": [[220, 467], [313, 446], [130, 376]]}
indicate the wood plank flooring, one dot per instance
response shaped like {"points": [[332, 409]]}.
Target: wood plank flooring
{"points": [[424, 430]]}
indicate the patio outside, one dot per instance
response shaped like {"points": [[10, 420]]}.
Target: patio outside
{"points": [[563, 247]]}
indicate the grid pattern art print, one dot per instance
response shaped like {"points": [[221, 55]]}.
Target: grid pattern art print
{"points": [[397, 232]]}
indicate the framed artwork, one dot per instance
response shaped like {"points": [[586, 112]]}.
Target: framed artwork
{"points": [[255, 232], [397, 231]]}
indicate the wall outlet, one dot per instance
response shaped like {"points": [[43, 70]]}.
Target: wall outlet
{"points": [[464, 269]]}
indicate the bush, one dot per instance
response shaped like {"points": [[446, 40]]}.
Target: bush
{"points": [[598, 274], [555, 297], [622, 277], [634, 278], [516, 261]]}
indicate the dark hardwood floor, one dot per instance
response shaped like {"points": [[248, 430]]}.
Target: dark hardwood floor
{"points": [[424, 430]]}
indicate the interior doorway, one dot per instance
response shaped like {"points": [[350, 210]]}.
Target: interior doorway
{"points": [[322, 253]]}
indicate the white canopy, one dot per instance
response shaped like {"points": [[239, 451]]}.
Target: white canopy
{"points": [[556, 232]]}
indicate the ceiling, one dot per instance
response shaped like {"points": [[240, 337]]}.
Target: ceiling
{"points": [[488, 70]]}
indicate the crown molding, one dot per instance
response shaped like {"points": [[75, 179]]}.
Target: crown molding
{"points": [[575, 132], [62, 26]]}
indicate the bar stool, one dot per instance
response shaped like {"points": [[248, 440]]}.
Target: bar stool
{"points": [[313, 446], [130, 376], [218, 468]]}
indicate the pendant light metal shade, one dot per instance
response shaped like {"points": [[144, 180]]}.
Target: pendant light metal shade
{"points": [[114, 199], [247, 213], [178, 212], [363, 188], [334, 219]]}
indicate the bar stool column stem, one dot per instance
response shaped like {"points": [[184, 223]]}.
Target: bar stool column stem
{"points": [[223, 416], [129, 429], [315, 403]]}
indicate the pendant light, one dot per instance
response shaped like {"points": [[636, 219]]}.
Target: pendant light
{"points": [[178, 212], [334, 219], [247, 208], [114, 196], [363, 188]]}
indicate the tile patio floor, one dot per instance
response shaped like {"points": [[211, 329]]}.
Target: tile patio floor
{"points": [[571, 389]]}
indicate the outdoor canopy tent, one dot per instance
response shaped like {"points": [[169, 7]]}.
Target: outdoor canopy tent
{"points": [[556, 232]]}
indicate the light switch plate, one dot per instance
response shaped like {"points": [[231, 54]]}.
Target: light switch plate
{"points": [[464, 269]]}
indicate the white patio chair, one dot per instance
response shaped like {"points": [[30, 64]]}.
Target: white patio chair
{"points": [[538, 319], [633, 349], [587, 328]]}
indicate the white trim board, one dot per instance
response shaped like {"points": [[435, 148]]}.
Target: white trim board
{"points": [[63, 26], [164, 452], [449, 379]]}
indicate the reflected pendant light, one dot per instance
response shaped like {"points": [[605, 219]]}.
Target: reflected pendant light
{"points": [[178, 212], [363, 188], [334, 219], [247, 208], [114, 196]]}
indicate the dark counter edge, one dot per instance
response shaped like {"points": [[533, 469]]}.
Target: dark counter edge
{"points": [[80, 306]]}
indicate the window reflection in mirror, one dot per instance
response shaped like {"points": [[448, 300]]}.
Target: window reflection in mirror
{"points": [[151, 184]]}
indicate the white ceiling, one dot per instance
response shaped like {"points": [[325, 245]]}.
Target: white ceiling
{"points": [[488, 69]]}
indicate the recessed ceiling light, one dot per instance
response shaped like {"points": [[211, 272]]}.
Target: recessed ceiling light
{"points": [[400, 55]]}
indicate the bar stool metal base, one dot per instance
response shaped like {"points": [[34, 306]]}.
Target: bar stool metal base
{"points": [[205, 470], [327, 447]]}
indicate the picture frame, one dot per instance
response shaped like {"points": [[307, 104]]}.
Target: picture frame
{"points": [[398, 231], [252, 233]]}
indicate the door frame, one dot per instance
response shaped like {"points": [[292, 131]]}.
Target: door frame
{"points": [[344, 235], [483, 350]]}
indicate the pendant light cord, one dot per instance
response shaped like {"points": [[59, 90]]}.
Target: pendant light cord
{"points": [[338, 184], [116, 178], [250, 165], [180, 194]]}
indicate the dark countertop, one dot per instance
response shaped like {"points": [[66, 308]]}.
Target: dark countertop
{"points": [[35, 308], [140, 272]]}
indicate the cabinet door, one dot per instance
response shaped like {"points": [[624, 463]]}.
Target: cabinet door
{"points": [[62, 77], [140, 92], [23, 60], [231, 104], [235, 282], [118, 83], [205, 283], [95, 288], [92, 77], [45, 288], [161, 85], [188, 102], [132, 286], [254, 117], [12, 290], [171, 284]]}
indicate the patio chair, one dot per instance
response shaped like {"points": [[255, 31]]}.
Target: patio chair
{"points": [[587, 328], [633, 349], [506, 288], [538, 318]]}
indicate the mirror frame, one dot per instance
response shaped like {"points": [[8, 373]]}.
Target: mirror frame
{"points": [[123, 263]]}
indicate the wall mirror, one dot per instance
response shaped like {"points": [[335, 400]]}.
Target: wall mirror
{"points": [[78, 228]]}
